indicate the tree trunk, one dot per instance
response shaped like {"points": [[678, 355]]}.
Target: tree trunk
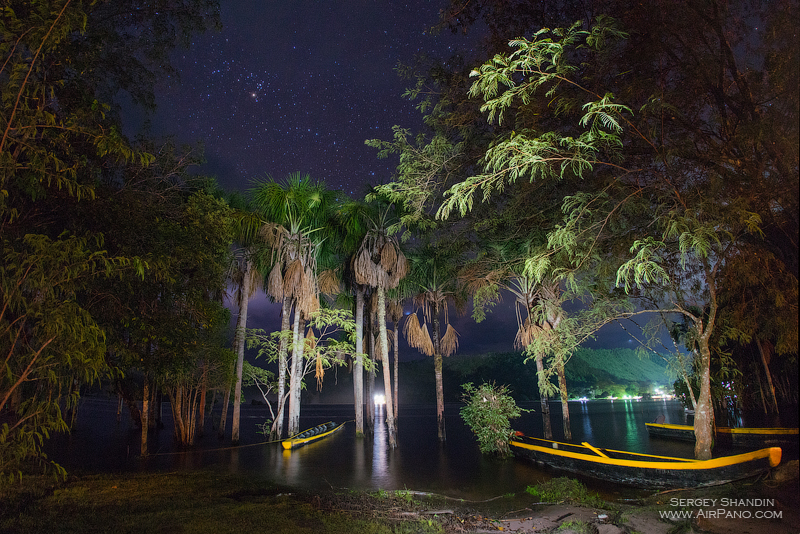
{"points": [[201, 412], [223, 418], [704, 412], [296, 375], [277, 424], [145, 414], [358, 367], [545, 406], [768, 374], [383, 347], [369, 390], [396, 368], [437, 371], [241, 325], [562, 387]]}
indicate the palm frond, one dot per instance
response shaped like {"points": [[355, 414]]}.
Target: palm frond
{"points": [[450, 341], [417, 335], [275, 283], [293, 279]]}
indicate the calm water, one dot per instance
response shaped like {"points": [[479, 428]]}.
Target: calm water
{"points": [[455, 468]]}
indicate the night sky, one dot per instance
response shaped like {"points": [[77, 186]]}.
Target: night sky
{"points": [[299, 86]]}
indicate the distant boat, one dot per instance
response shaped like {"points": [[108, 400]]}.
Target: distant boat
{"points": [[311, 435], [731, 437], [643, 470]]}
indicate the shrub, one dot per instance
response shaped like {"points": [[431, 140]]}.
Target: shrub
{"points": [[488, 411]]}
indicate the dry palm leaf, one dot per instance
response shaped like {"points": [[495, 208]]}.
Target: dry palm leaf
{"points": [[449, 341], [275, 282], [418, 336], [388, 257], [526, 334], [329, 282], [293, 280]]}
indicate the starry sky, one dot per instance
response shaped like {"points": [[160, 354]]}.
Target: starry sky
{"points": [[299, 86]]}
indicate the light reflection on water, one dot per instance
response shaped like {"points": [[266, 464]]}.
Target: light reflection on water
{"points": [[455, 468]]}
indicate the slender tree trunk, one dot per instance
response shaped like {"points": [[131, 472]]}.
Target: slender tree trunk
{"points": [[223, 418], [543, 400], [295, 377], [383, 347], [241, 325], [437, 371], [562, 387], [201, 412], [145, 414], [358, 367], [369, 389], [396, 368], [277, 424], [764, 362]]}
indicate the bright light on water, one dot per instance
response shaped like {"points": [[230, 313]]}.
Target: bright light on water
{"points": [[380, 400]]}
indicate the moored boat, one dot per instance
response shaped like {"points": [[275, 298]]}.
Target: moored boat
{"points": [[311, 435], [732, 437], [643, 470]]}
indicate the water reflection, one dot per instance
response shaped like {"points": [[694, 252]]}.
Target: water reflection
{"points": [[420, 462]]}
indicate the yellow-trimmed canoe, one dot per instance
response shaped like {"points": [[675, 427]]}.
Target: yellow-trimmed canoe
{"points": [[311, 435], [733, 437], [643, 470]]}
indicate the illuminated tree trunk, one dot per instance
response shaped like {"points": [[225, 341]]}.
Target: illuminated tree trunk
{"points": [[545, 406], [704, 412], [201, 411], [396, 367], [383, 347], [277, 424], [296, 376], [562, 387], [437, 371], [369, 389], [241, 325], [358, 367], [765, 362]]}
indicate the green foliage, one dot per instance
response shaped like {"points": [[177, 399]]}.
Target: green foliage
{"points": [[564, 489], [488, 411]]}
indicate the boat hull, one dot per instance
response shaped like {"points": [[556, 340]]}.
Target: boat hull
{"points": [[731, 437], [643, 470], [311, 435]]}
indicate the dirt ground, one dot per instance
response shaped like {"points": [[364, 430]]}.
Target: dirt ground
{"points": [[770, 505]]}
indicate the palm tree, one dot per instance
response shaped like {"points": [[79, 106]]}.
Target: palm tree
{"points": [[379, 263], [253, 234], [303, 209], [434, 274], [352, 220]]}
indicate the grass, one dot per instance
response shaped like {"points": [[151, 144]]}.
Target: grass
{"points": [[185, 502], [564, 489]]}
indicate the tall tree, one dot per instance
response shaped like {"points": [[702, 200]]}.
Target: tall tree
{"points": [[381, 264], [434, 274]]}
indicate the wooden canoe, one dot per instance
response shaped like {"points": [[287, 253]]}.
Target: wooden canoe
{"points": [[311, 435], [643, 470], [732, 437]]}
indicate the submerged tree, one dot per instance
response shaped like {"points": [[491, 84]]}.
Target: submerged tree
{"points": [[380, 264]]}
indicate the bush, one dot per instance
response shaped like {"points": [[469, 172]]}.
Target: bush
{"points": [[488, 411]]}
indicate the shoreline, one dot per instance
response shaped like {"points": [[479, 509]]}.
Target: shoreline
{"points": [[211, 501]]}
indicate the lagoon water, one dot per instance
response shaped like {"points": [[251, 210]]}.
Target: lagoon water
{"points": [[455, 468]]}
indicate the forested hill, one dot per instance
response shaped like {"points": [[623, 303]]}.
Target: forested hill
{"points": [[590, 373]]}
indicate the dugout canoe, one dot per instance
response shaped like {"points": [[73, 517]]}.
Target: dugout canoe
{"points": [[643, 470], [746, 437], [311, 435]]}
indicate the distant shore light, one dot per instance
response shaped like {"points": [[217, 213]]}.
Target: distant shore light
{"points": [[380, 400]]}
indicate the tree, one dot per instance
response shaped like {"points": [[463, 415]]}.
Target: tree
{"points": [[680, 237], [381, 264], [434, 275], [487, 411], [304, 211]]}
